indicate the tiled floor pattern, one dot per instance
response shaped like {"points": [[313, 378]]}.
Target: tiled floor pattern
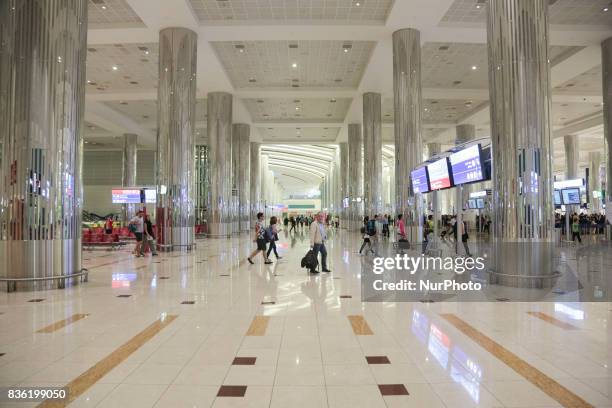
{"points": [[312, 347]]}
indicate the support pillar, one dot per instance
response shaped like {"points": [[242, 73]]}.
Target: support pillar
{"points": [[571, 156], [372, 151], [255, 188], [344, 181], [407, 105], [128, 179], [175, 155], [242, 133], [465, 133], [594, 180], [355, 176], [519, 87], [219, 129], [42, 99], [606, 65]]}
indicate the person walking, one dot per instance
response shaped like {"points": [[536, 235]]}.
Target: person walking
{"points": [[136, 225], [149, 240], [293, 223], [272, 234], [260, 239], [464, 238], [576, 229], [385, 225], [401, 228], [369, 231], [318, 236]]}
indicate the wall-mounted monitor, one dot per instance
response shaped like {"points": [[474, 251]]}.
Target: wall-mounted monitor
{"points": [[558, 197], [420, 180], [345, 202], [480, 203], [570, 196], [150, 195], [125, 196], [439, 174], [466, 165], [472, 204]]}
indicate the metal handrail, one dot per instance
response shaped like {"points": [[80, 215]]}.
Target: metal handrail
{"points": [[83, 273]]}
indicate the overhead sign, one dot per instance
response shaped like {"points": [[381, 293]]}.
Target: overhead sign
{"points": [[560, 185]]}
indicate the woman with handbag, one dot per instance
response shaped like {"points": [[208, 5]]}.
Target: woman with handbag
{"points": [[272, 234]]}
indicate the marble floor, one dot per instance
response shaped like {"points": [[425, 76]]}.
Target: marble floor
{"points": [[206, 329]]}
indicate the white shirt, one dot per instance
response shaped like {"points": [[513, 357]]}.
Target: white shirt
{"points": [[139, 223]]}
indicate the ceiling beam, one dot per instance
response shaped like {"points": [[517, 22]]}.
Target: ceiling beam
{"points": [[107, 118]]}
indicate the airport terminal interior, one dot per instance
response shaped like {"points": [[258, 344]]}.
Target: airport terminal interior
{"points": [[212, 203]]}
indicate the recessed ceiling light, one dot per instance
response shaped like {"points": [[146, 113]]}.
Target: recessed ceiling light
{"points": [[252, 80], [357, 3], [297, 108], [333, 100], [115, 68], [296, 101], [260, 101], [294, 65], [605, 9], [103, 7], [474, 67], [478, 6]]}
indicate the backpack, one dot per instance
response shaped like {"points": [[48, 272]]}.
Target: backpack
{"points": [[269, 234], [310, 260], [371, 228]]}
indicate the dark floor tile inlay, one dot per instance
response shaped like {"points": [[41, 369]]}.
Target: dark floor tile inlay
{"points": [[124, 295], [502, 299], [427, 301], [392, 389], [269, 302], [378, 360], [36, 300], [232, 391], [244, 360], [188, 302], [1, 354], [346, 297], [225, 274], [164, 277]]}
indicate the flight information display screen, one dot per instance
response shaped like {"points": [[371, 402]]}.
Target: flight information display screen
{"points": [[480, 203], [571, 196], [439, 176], [420, 181], [472, 204], [125, 196], [150, 195], [558, 197], [466, 165]]}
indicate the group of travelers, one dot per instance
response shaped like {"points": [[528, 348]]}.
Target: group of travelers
{"points": [[266, 237], [297, 222], [142, 228], [582, 224]]}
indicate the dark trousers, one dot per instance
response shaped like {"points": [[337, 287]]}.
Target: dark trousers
{"points": [[321, 248], [272, 247], [366, 241], [576, 234]]}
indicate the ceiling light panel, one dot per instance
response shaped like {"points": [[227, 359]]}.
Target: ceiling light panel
{"points": [[564, 113], [144, 112], [112, 14], [436, 111], [308, 134], [318, 63], [588, 82], [450, 65], [310, 109], [563, 12], [283, 11], [136, 70]]}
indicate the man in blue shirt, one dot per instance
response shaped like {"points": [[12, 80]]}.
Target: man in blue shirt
{"points": [[318, 236]]}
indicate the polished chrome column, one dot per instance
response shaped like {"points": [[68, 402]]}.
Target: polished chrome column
{"points": [[201, 183], [355, 175], [176, 95], [465, 133], [241, 135], [519, 87], [571, 156], [594, 179], [219, 130], [234, 193], [255, 188], [344, 182], [372, 153], [606, 65], [407, 107], [128, 179], [265, 188], [43, 46]]}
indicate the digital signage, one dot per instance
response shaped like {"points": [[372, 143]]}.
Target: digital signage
{"points": [[570, 196], [466, 165], [345, 202], [480, 204], [150, 195], [125, 196], [420, 181], [439, 174], [472, 204]]}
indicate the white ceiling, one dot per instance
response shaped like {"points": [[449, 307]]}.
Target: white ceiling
{"points": [[248, 48]]}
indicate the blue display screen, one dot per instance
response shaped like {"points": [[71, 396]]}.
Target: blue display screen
{"points": [[571, 196], [466, 165], [558, 197], [420, 181]]}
